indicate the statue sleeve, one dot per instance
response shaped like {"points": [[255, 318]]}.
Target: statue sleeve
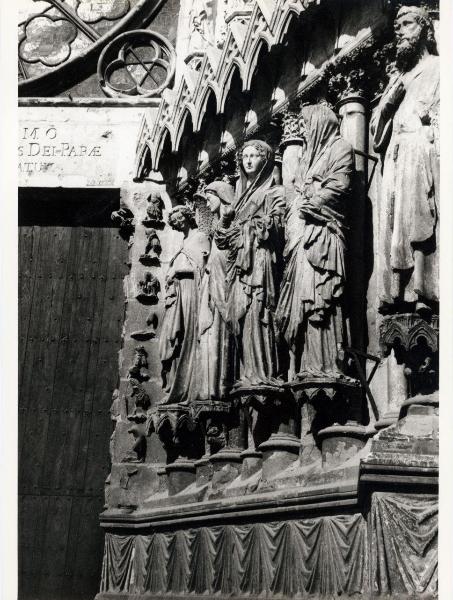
{"points": [[336, 181], [382, 119]]}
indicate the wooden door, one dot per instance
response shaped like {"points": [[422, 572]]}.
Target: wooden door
{"points": [[71, 311]]}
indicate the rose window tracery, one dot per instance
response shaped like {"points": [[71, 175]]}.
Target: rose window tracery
{"points": [[57, 37]]}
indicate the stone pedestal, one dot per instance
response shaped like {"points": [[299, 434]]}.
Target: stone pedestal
{"points": [[181, 474], [279, 452], [252, 461], [226, 466], [340, 443], [203, 470]]}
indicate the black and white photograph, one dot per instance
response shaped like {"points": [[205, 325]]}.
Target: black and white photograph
{"points": [[227, 234]]}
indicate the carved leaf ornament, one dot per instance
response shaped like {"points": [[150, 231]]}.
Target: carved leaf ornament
{"points": [[136, 63]]}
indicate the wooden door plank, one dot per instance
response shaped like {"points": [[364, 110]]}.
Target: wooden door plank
{"points": [[82, 325], [112, 319], [90, 542], [29, 238], [52, 573], [92, 372], [44, 339]]}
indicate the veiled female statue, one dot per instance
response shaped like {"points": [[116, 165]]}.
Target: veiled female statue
{"points": [[179, 335], [254, 244], [215, 366], [309, 312]]}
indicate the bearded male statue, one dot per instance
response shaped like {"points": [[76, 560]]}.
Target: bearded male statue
{"points": [[406, 134]]}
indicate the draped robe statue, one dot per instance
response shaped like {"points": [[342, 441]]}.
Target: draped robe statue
{"points": [[215, 365], [405, 128], [179, 334], [254, 244], [309, 312]]}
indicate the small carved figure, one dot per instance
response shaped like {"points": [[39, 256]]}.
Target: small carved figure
{"points": [[149, 289], [152, 320], [137, 454], [309, 311], [154, 211], [150, 331], [251, 231], [115, 408], [137, 404], [138, 401], [124, 220], [216, 342], [115, 416], [139, 365], [405, 128], [200, 25], [152, 249], [215, 437], [179, 334]]}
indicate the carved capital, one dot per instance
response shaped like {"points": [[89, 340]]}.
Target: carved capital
{"points": [[405, 330], [292, 131]]}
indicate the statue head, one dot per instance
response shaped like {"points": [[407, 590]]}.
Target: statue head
{"points": [[218, 193], [182, 218], [414, 35], [253, 156]]}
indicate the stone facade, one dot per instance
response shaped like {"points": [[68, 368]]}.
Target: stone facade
{"points": [[276, 411]]}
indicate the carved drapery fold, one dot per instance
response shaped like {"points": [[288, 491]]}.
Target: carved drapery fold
{"points": [[118, 562], [156, 566], [403, 543], [322, 556]]}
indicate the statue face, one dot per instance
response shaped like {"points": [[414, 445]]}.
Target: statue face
{"points": [[252, 161], [408, 32], [179, 222], [213, 202]]}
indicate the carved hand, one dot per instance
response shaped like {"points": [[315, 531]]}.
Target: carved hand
{"points": [[393, 97], [227, 217]]}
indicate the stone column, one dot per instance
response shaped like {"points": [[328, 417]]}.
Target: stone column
{"points": [[354, 128], [227, 462]]}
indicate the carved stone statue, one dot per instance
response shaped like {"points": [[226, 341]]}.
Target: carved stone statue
{"points": [[152, 249], [405, 128], [179, 334], [201, 28], [215, 349], [137, 401], [138, 369], [154, 211], [254, 243], [149, 288], [309, 312]]}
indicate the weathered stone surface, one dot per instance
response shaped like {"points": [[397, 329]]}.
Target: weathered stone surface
{"points": [[264, 444], [76, 147]]}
